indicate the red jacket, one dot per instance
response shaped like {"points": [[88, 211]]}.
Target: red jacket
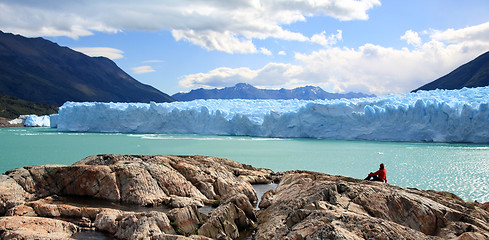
{"points": [[382, 174]]}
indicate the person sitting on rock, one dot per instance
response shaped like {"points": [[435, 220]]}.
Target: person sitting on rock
{"points": [[380, 175]]}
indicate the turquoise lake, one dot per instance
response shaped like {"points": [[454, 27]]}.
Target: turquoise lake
{"points": [[462, 169]]}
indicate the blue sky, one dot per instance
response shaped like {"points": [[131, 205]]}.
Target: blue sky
{"points": [[371, 46]]}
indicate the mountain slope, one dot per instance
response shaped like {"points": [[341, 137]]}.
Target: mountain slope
{"points": [[247, 91], [38, 70], [472, 74], [12, 107]]}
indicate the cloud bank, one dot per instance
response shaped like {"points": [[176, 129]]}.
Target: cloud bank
{"points": [[228, 26], [110, 53], [233, 26], [142, 69], [369, 68]]}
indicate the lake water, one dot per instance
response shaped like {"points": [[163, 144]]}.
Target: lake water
{"points": [[462, 169]]}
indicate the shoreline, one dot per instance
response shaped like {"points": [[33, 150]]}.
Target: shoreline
{"points": [[4, 123], [405, 167], [210, 197]]}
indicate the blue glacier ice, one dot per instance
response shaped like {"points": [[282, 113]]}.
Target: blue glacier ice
{"points": [[37, 121], [432, 116]]}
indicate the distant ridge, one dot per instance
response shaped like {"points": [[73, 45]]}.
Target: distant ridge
{"points": [[247, 91], [472, 74], [39, 70]]}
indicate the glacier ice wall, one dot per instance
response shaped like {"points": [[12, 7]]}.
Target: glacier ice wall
{"points": [[438, 116], [37, 121]]}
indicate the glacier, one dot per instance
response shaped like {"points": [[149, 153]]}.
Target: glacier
{"points": [[424, 116], [36, 121]]}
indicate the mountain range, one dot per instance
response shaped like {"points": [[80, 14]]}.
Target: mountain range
{"points": [[247, 91], [472, 74], [39, 70]]}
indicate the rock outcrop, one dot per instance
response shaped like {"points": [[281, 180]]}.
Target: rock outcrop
{"points": [[308, 205], [18, 227], [131, 197], [198, 197]]}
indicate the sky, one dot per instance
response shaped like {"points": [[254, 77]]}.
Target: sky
{"points": [[370, 46]]}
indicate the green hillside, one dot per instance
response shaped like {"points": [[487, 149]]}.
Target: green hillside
{"points": [[12, 107]]}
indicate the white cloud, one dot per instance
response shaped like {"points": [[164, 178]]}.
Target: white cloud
{"points": [[369, 68], [34, 19], [212, 40], [265, 51], [340, 9], [218, 78], [222, 25], [273, 74], [153, 61], [111, 53], [474, 33], [327, 41], [143, 69], [412, 38], [282, 53], [381, 70]]}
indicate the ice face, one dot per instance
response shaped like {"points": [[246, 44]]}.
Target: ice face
{"points": [[438, 116], [37, 121]]}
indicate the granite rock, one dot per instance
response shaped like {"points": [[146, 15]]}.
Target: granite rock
{"points": [[181, 184], [308, 205], [21, 227], [160, 197], [11, 194]]}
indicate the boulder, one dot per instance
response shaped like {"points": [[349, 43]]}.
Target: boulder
{"points": [[218, 177], [179, 202], [266, 199], [225, 222], [131, 225], [142, 225], [21, 210], [21, 227], [186, 220], [240, 200], [11, 194], [107, 220]]}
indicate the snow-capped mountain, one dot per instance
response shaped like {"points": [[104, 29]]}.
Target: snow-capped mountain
{"points": [[247, 91]]}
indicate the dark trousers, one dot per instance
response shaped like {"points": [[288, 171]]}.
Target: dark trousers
{"points": [[373, 178]]}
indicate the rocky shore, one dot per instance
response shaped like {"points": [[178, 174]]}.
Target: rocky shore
{"points": [[4, 122], [199, 197]]}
